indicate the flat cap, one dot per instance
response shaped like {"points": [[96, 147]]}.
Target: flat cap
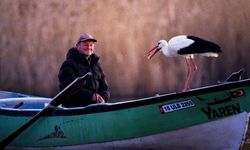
{"points": [[85, 37]]}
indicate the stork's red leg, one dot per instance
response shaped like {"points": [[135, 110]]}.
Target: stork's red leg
{"points": [[194, 65], [194, 68], [188, 75]]}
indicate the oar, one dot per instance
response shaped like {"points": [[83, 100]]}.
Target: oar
{"points": [[57, 100]]}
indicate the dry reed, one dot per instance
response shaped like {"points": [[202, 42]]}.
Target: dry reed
{"points": [[35, 36]]}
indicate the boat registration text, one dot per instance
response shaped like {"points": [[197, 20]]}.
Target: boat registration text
{"points": [[176, 106]]}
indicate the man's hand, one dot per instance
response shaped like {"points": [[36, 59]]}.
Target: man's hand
{"points": [[97, 98]]}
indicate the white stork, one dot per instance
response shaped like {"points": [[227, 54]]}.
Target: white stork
{"points": [[187, 46]]}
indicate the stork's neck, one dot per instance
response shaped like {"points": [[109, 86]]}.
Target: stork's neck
{"points": [[165, 48]]}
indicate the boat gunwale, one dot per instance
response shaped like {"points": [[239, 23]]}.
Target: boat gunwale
{"points": [[106, 107]]}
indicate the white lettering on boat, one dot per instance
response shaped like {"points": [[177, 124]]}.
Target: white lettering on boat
{"points": [[176, 106]]}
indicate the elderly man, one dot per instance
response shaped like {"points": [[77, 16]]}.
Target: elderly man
{"points": [[80, 60]]}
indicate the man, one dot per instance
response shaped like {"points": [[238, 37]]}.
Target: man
{"points": [[80, 60]]}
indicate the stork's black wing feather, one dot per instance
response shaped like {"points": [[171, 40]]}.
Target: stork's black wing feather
{"points": [[200, 46]]}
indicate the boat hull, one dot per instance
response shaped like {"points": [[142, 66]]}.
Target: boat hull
{"points": [[226, 133], [132, 120]]}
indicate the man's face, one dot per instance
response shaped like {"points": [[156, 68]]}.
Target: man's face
{"points": [[86, 47]]}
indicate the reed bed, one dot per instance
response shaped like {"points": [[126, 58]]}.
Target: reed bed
{"points": [[35, 36]]}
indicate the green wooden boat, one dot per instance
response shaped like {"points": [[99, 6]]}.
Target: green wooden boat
{"points": [[212, 117]]}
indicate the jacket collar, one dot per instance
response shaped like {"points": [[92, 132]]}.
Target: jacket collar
{"points": [[74, 54]]}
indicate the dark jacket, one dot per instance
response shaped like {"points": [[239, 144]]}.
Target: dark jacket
{"points": [[77, 65]]}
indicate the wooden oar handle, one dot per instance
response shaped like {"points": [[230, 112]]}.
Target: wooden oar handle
{"points": [[72, 88]]}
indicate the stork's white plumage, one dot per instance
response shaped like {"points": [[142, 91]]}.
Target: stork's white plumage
{"points": [[187, 46]]}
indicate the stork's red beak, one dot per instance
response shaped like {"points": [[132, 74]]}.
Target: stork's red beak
{"points": [[153, 51]]}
